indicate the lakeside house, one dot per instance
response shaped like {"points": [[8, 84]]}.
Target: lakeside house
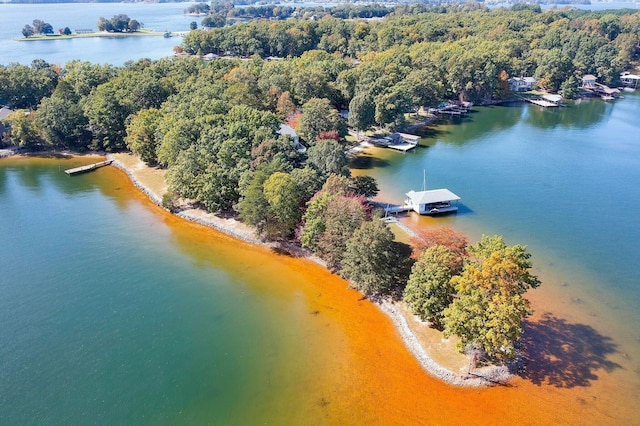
{"points": [[589, 81], [290, 131], [629, 80], [590, 84], [210, 57], [521, 84]]}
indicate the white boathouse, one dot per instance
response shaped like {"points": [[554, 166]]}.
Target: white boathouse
{"points": [[435, 201]]}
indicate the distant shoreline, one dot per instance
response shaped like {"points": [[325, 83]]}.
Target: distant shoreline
{"points": [[144, 33]]}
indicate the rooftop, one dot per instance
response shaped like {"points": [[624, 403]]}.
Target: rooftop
{"points": [[432, 196]]}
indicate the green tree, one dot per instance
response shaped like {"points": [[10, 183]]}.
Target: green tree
{"points": [[429, 289], [328, 157], [142, 134], [364, 185], [62, 123], [361, 111], [23, 131], [370, 259], [318, 116], [342, 217], [280, 192], [253, 208], [489, 305], [27, 31]]}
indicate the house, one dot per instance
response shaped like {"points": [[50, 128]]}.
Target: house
{"points": [[210, 57], [629, 80], [435, 201], [289, 131], [521, 84], [589, 81]]}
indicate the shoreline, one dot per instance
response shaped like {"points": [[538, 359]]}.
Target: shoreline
{"points": [[482, 377], [96, 34]]}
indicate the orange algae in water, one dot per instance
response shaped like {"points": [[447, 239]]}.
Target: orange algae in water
{"points": [[359, 370], [363, 373]]}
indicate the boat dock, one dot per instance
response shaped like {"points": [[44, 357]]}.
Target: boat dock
{"points": [[546, 101], [452, 108], [399, 141], [87, 168]]}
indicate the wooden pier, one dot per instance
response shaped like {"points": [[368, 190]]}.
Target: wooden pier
{"points": [[87, 168], [452, 108]]}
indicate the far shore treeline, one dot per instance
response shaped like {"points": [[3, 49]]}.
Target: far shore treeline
{"points": [[215, 127]]}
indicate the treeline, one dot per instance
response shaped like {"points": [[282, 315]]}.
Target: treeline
{"points": [[118, 24], [215, 127], [463, 50]]}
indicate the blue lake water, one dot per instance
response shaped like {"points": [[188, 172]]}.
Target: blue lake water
{"points": [[564, 181], [115, 51]]}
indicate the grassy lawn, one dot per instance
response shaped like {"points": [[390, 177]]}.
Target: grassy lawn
{"points": [[139, 33]]}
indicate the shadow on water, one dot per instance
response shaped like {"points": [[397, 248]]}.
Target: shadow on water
{"points": [[367, 161], [578, 115], [464, 210], [565, 355]]}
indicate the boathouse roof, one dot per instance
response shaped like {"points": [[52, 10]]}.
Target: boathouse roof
{"points": [[432, 196]]}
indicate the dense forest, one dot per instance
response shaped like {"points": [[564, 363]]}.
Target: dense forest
{"points": [[215, 127]]}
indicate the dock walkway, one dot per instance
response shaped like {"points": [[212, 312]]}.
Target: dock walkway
{"points": [[87, 168]]}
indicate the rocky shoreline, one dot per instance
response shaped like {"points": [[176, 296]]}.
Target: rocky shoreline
{"points": [[485, 376]]}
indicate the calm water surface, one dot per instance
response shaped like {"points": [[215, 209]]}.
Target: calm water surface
{"points": [[115, 51], [112, 311], [565, 182], [110, 315]]}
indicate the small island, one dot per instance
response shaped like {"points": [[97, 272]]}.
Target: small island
{"points": [[118, 26]]}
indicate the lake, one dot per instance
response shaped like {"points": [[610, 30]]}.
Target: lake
{"points": [[565, 182], [114, 311], [115, 51]]}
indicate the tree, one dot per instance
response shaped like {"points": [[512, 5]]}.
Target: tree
{"points": [[142, 134], [429, 290], [104, 24], [66, 31], [342, 217], [62, 123], [41, 27], [134, 25], [318, 115], [280, 192], [27, 86], [23, 131], [27, 31], [569, 88], [193, 25], [364, 185], [489, 304], [361, 111], [370, 259], [328, 157], [456, 242], [253, 208]]}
